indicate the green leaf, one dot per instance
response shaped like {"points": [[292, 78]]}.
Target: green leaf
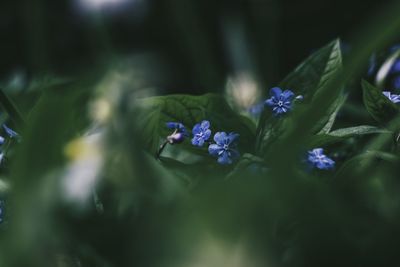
{"points": [[345, 133], [308, 79], [315, 71], [378, 105], [190, 110], [357, 130], [337, 105], [364, 162]]}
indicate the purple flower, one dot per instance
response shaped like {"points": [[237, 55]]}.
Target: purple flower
{"points": [[179, 133], [201, 133], [224, 147], [319, 160], [280, 102], [176, 126], [392, 97]]}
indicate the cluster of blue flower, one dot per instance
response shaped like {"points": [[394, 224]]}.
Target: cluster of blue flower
{"points": [[225, 144], [224, 148]]}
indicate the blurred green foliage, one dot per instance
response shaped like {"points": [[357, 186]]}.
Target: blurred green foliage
{"points": [[84, 188]]}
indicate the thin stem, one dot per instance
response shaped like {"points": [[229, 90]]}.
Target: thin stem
{"points": [[161, 148]]}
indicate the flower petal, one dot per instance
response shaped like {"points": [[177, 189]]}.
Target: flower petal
{"points": [[232, 137], [387, 94], [287, 95], [330, 163], [171, 125], [200, 142], [214, 149], [196, 129], [275, 92], [234, 154], [195, 141], [220, 137], [270, 102], [207, 134], [224, 158], [395, 98], [318, 151], [205, 125]]}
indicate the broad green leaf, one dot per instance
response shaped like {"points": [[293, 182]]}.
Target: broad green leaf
{"points": [[190, 110], [344, 133], [378, 105], [315, 71], [308, 79]]}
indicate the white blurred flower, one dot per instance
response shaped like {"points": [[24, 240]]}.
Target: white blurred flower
{"points": [[83, 171], [242, 90]]}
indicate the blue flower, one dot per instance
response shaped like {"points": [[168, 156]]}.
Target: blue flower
{"points": [[201, 133], [392, 97], [11, 133], [319, 160], [224, 147], [280, 102], [256, 109], [179, 133]]}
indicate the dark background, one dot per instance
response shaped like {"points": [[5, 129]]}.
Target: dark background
{"points": [[60, 37]]}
